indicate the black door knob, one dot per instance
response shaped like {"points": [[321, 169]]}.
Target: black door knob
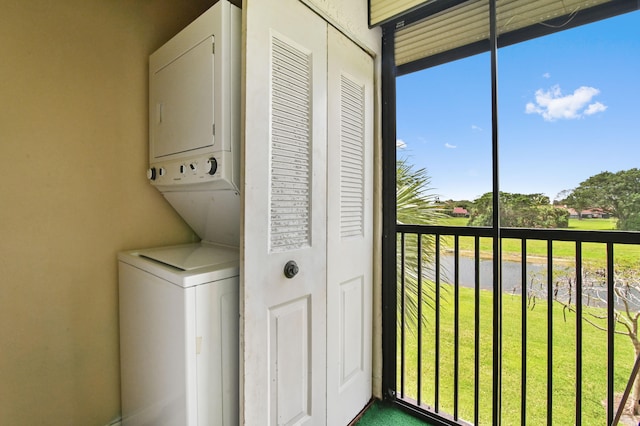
{"points": [[290, 269]]}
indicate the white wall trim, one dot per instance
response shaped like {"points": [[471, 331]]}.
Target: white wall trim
{"points": [[334, 23]]}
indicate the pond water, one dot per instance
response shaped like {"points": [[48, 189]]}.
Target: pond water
{"points": [[511, 273], [593, 291]]}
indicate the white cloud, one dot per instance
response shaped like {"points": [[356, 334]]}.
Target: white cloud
{"points": [[447, 145], [400, 144], [595, 108], [553, 105], [476, 128], [546, 75]]}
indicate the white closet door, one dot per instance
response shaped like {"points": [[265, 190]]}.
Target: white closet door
{"points": [[283, 374], [349, 228]]}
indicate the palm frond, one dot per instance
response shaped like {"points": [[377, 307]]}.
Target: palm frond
{"points": [[415, 204]]}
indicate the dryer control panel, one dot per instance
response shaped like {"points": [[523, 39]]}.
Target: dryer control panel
{"points": [[200, 169]]}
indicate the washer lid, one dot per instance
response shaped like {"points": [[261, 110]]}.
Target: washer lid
{"points": [[190, 257]]}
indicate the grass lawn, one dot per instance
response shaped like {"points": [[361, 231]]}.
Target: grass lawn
{"points": [[564, 348], [594, 348], [594, 253]]}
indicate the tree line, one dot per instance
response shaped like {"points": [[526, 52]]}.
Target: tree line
{"points": [[617, 194]]}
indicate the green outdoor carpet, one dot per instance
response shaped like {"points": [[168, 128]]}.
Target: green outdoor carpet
{"points": [[384, 415]]}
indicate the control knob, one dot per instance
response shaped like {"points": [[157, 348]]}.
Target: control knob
{"points": [[212, 166], [151, 173]]}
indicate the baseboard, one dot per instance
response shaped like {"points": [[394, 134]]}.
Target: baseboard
{"points": [[361, 413], [115, 422]]}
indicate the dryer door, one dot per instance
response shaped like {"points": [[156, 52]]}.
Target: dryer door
{"points": [[181, 93]]}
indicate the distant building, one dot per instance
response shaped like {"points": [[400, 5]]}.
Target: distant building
{"points": [[460, 212], [594, 213]]}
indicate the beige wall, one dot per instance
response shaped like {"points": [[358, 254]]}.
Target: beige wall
{"points": [[73, 192]]}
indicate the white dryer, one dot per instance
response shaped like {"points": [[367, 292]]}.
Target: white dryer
{"points": [[179, 335]]}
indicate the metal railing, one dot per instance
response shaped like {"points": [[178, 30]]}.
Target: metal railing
{"points": [[444, 356]]}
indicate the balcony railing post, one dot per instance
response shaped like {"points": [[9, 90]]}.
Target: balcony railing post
{"points": [[578, 333], [437, 325], [549, 332], [456, 326], [402, 313], [523, 337], [611, 328], [476, 320], [419, 366]]}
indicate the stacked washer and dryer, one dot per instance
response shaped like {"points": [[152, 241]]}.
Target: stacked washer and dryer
{"points": [[179, 304]]}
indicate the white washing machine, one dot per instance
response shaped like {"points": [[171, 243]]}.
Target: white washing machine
{"points": [[179, 335]]}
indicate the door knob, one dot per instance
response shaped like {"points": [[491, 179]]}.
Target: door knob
{"points": [[290, 269]]}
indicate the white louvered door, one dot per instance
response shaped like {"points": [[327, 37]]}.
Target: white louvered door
{"points": [[284, 319], [349, 228], [306, 351]]}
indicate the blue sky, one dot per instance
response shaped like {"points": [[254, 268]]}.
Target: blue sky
{"points": [[569, 108]]}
